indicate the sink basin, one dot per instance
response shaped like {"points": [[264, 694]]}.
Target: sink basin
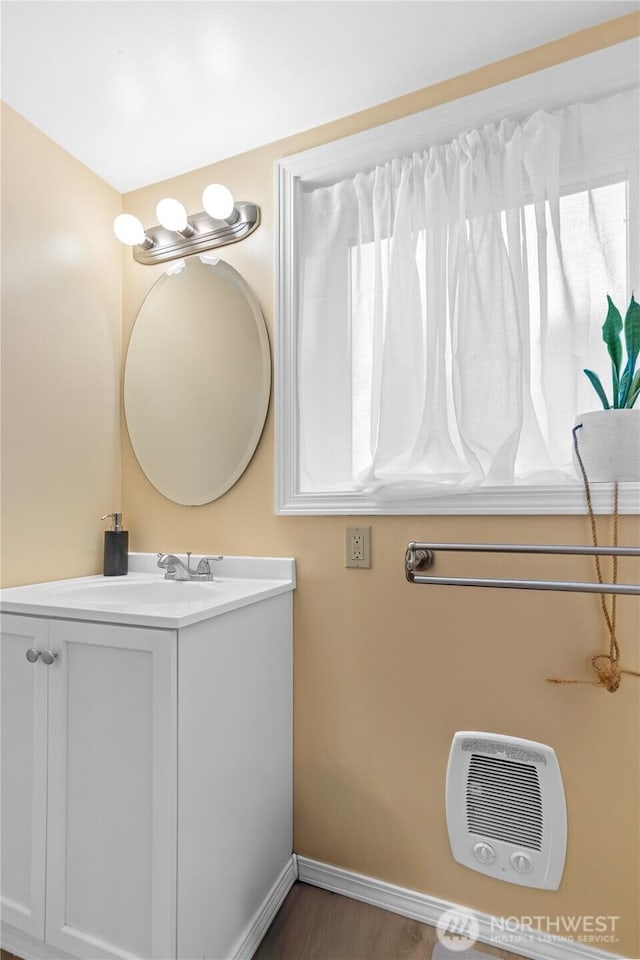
{"points": [[134, 591], [145, 598]]}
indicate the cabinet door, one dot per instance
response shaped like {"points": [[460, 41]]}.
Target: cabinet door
{"points": [[24, 773], [111, 836]]}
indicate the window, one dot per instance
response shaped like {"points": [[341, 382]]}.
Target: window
{"points": [[438, 304]]}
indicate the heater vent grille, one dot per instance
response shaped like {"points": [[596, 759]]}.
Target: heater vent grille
{"points": [[504, 802]]}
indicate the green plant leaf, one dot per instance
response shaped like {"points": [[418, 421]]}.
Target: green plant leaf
{"points": [[597, 386], [624, 388], [611, 330], [634, 391], [632, 342]]}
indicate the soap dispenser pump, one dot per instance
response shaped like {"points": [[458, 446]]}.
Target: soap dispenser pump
{"points": [[116, 547]]}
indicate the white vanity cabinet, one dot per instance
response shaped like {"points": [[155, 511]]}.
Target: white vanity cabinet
{"points": [[89, 786], [146, 782]]}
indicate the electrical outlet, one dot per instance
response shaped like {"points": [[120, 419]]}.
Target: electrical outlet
{"points": [[358, 547]]}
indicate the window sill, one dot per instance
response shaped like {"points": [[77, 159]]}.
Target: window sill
{"points": [[562, 500]]}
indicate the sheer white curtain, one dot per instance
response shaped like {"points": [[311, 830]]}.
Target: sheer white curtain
{"points": [[451, 298]]}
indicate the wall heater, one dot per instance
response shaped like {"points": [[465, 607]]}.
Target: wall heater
{"points": [[506, 810]]}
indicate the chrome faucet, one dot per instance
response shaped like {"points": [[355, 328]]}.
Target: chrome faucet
{"points": [[176, 569]]}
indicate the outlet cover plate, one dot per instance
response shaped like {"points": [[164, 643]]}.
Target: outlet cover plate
{"points": [[358, 547]]}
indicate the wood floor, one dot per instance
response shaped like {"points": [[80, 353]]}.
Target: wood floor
{"points": [[314, 924]]}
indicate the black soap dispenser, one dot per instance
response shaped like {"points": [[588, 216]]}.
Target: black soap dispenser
{"points": [[116, 547]]}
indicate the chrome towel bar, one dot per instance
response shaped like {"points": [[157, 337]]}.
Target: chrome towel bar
{"points": [[420, 556]]}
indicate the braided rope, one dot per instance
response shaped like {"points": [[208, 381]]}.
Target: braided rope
{"points": [[606, 665]]}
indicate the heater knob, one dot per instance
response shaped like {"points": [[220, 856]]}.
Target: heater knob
{"points": [[484, 852], [521, 862]]}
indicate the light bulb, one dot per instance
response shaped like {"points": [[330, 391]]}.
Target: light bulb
{"points": [[129, 230], [217, 200], [172, 215]]}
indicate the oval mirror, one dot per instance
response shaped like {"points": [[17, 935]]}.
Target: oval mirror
{"points": [[197, 380]]}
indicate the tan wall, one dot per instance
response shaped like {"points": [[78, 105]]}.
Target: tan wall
{"points": [[61, 344]]}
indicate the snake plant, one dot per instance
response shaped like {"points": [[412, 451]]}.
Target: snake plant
{"points": [[626, 382]]}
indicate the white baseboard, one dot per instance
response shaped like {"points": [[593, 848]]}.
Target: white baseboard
{"points": [[527, 942], [248, 942], [23, 945]]}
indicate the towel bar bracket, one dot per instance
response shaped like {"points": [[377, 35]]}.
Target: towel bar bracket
{"points": [[416, 560]]}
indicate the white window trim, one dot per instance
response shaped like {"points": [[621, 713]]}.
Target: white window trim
{"points": [[589, 77]]}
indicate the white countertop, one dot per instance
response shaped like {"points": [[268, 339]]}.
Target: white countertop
{"points": [[144, 598]]}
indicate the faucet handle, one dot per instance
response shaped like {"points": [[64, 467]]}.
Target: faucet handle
{"points": [[205, 567], [163, 556]]}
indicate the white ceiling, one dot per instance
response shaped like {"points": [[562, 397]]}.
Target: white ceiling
{"points": [[142, 90]]}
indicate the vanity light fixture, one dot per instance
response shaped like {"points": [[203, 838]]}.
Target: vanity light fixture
{"points": [[222, 221]]}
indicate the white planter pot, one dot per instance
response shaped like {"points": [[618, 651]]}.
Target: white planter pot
{"points": [[609, 444]]}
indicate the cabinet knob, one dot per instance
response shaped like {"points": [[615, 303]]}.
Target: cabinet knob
{"points": [[32, 655], [48, 657]]}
